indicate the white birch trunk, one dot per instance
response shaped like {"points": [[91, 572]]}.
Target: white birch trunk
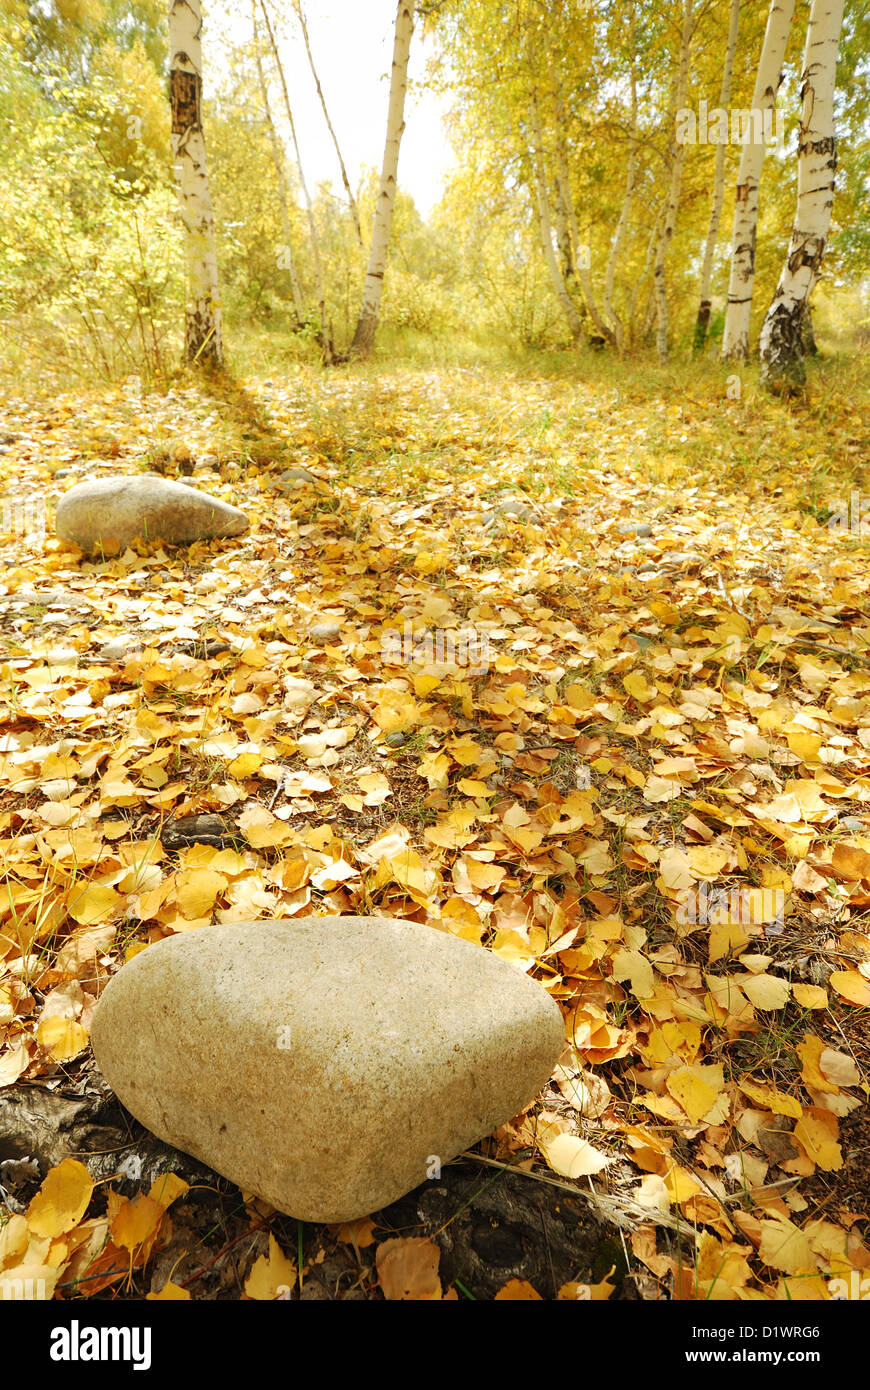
{"points": [[704, 306], [670, 222], [557, 279], [632, 319], [367, 323], [278, 161], [351, 200], [782, 351], [325, 335], [628, 199], [202, 333], [735, 341], [566, 220]]}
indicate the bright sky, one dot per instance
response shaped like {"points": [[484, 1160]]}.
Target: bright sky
{"points": [[352, 44]]}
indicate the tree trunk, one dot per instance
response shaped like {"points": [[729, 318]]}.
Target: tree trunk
{"points": [[735, 341], [278, 161], [557, 279], [628, 199], [703, 321], [367, 323], [673, 204], [782, 355], [578, 257], [325, 335], [202, 332], [300, 15], [808, 334], [632, 319]]}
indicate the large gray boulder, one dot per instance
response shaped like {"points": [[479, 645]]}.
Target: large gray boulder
{"points": [[326, 1064], [111, 512]]}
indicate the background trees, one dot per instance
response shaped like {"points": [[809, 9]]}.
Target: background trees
{"points": [[585, 207]]}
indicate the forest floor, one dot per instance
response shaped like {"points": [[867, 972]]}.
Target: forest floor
{"points": [[650, 789]]}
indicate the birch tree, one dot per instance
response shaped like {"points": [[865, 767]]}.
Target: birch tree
{"points": [[351, 200], [673, 203], [325, 335], [202, 334], [782, 336], [735, 341], [556, 272], [618, 331], [574, 255], [703, 320], [367, 323], [280, 172]]}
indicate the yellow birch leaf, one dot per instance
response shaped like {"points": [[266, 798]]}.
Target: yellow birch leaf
{"points": [[62, 1200], [573, 1157], [270, 1274], [810, 996], [810, 1052], [408, 1269], [13, 1064], [196, 890], [634, 967], [137, 1223], [851, 986], [396, 711], [167, 1189], [245, 765], [96, 903], [63, 1038], [724, 938], [816, 1131], [680, 1185], [772, 1099], [518, 1291], [839, 1068], [785, 1247], [435, 767], [637, 686], [804, 744], [765, 991], [696, 1089]]}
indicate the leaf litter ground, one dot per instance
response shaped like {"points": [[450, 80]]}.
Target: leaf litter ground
{"points": [[577, 672]]}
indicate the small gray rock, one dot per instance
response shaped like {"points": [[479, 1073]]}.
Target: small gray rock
{"points": [[680, 557], [511, 506], [49, 598], [395, 739], [634, 528], [117, 648], [293, 478], [113, 512], [324, 632], [324, 1063]]}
